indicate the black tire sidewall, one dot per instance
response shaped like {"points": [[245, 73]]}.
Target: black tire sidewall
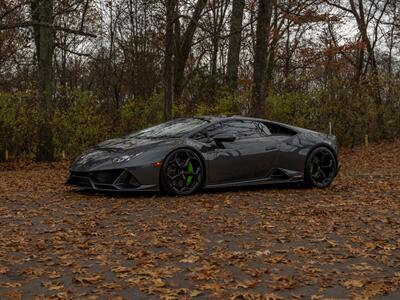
{"points": [[308, 177], [165, 186]]}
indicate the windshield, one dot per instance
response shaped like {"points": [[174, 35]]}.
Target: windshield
{"points": [[175, 128]]}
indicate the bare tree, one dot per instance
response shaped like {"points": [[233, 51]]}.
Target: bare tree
{"points": [[183, 46], [168, 59], [42, 19], [259, 92], [392, 35], [368, 16], [235, 40], [42, 12], [215, 24]]}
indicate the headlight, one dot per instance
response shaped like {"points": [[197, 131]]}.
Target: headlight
{"points": [[124, 158], [83, 159]]}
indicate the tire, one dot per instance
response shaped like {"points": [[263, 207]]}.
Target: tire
{"points": [[182, 173], [321, 168]]}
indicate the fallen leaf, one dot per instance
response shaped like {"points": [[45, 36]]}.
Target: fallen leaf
{"points": [[190, 259], [195, 293], [352, 283], [89, 279], [53, 286]]}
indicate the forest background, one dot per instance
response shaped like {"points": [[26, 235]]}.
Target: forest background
{"points": [[76, 72]]}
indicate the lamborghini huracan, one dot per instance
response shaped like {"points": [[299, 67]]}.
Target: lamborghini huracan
{"points": [[185, 155]]}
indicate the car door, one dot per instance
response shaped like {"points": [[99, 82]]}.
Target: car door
{"points": [[250, 156]]}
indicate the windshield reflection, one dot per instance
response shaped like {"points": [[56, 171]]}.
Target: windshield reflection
{"points": [[174, 128]]}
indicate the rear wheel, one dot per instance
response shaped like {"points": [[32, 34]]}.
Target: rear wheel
{"points": [[182, 172], [321, 168]]}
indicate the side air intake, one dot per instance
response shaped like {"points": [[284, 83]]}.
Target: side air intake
{"points": [[279, 174]]}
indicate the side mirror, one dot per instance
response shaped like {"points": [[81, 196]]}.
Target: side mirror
{"points": [[224, 138]]}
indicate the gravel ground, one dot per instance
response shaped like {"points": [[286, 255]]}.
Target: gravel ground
{"points": [[280, 242]]}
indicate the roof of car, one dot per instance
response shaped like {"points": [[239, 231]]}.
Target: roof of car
{"points": [[215, 119], [223, 118]]}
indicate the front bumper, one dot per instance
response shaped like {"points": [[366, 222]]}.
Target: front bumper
{"points": [[115, 180]]}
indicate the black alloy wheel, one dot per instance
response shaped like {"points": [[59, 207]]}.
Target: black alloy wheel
{"points": [[321, 168], [182, 172]]}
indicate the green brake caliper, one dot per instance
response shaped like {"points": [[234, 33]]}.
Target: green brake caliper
{"points": [[189, 178]]}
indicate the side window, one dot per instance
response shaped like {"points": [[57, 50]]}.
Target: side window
{"points": [[245, 129], [238, 128], [264, 130], [217, 129], [212, 131], [280, 130], [241, 129]]}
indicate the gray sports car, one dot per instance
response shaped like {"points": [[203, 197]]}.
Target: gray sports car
{"points": [[184, 155]]}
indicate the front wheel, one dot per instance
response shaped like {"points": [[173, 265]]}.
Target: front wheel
{"points": [[182, 172], [321, 168]]}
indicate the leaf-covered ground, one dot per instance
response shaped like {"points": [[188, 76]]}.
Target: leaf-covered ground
{"points": [[264, 243]]}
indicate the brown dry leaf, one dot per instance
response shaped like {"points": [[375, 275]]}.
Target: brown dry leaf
{"points": [[40, 245], [332, 244], [374, 289], [10, 284], [282, 283], [111, 286], [4, 270], [53, 286], [158, 282], [88, 279], [263, 253], [396, 279], [353, 283], [363, 267], [190, 259], [212, 286], [271, 297], [53, 275], [35, 272], [195, 293], [120, 269], [246, 296], [247, 284], [276, 259]]}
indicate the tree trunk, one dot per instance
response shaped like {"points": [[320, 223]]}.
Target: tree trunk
{"points": [[168, 63], [235, 40], [376, 88], [259, 93], [219, 9], [271, 52], [42, 12], [184, 47], [288, 56], [212, 81]]}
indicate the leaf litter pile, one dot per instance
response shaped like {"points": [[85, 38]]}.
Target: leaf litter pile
{"points": [[254, 243]]}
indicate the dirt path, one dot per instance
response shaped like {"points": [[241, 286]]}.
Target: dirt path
{"points": [[266, 243]]}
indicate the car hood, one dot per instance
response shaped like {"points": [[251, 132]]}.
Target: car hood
{"points": [[130, 144], [104, 153]]}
